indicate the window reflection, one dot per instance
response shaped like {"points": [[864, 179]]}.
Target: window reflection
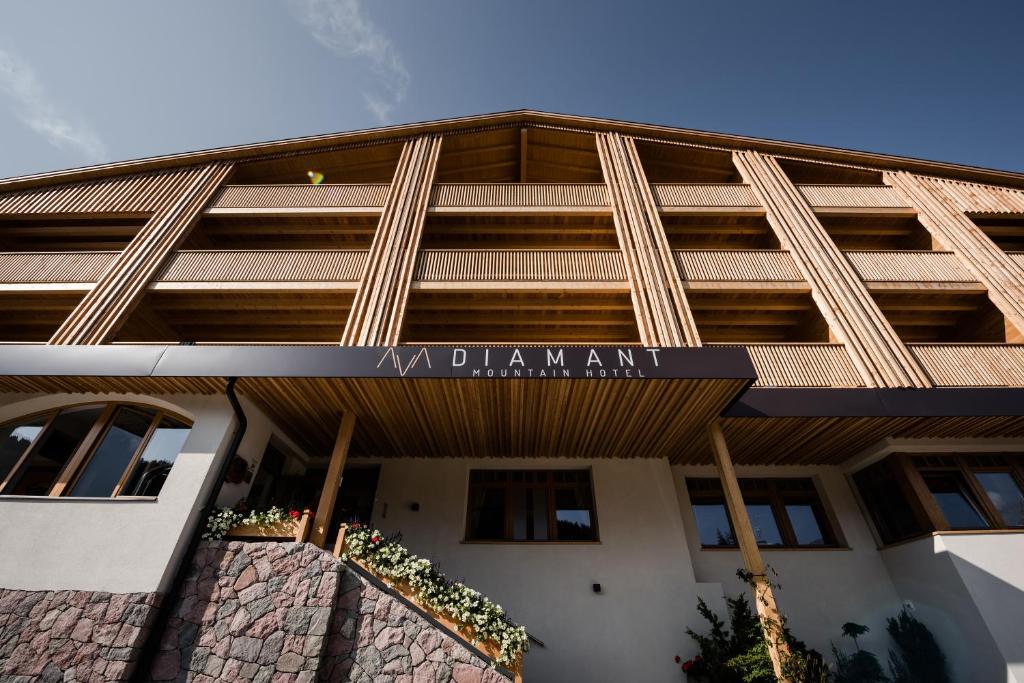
{"points": [[150, 472], [15, 439], [1006, 496], [52, 452], [112, 456]]}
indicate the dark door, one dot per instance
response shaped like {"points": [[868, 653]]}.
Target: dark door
{"points": [[355, 499]]}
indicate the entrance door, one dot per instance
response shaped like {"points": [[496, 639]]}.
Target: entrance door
{"points": [[355, 499]]}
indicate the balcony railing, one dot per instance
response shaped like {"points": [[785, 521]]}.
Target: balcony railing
{"points": [[299, 197], [802, 365], [972, 365], [670, 196], [519, 265], [908, 266], [18, 267], [264, 266], [519, 195], [728, 265], [852, 197]]}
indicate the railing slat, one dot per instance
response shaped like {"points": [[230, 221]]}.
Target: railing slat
{"points": [[519, 195], [737, 265], [908, 266], [671, 195], [300, 196], [53, 266], [852, 196], [972, 365], [264, 266], [802, 365], [519, 265]]}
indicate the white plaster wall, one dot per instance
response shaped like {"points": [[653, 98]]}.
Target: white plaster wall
{"points": [[820, 589], [629, 632], [968, 589], [117, 544]]}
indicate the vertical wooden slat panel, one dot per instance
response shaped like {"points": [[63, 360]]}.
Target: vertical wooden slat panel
{"points": [[940, 215], [100, 313], [663, 316], [379, 304], [844, 300]]}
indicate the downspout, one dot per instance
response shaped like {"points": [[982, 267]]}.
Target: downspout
{"points": [[150, 648]]}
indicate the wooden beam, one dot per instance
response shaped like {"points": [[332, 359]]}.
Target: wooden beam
{"points": [[325, 509], [764, 597], [523, 134], [875, 348]]}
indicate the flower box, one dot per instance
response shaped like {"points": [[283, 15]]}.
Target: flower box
{"points": [[287, 529]]}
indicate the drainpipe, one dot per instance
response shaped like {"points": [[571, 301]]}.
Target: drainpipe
{"points": [[150, 648]]}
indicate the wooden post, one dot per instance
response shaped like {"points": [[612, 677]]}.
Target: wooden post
{"points": [[339, 543], [764, 598], [325, 509], [305, 526]]}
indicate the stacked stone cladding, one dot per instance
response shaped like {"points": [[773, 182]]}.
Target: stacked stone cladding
{"points": [[291, 613], [72, 635]]}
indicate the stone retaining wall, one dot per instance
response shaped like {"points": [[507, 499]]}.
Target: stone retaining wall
{"points": [[72, 635], [291, 613]]}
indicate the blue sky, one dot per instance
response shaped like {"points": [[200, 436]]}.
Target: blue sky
{"points": [[84, 82]]}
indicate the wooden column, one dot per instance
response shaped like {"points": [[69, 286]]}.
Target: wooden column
{"points": [[764, 597], [662, 314], [379, 305], [107, 305], [954, 231], [853, 316], [325, 509]]}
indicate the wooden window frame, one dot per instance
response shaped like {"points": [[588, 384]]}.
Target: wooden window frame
{"points": [[961, 464], [86, 450], [550, 486], [777, 497]]}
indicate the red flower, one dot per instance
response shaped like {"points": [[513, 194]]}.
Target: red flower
{"points": [[687, 665], [677, 659], [375, 539], [294, 514]]}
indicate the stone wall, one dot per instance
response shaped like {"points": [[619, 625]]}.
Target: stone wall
{"points": [[72, 635], [291, 613]]}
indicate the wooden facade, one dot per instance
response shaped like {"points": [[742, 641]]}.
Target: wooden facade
{"points": [[834, 269]]}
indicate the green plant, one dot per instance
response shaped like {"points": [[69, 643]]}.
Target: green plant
{"points": [[917, 656], [223, 520], [463, 605], [860, 667]]}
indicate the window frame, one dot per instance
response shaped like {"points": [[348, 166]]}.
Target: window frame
{"points": [[770, 490], [550, 486], [79, 460]]}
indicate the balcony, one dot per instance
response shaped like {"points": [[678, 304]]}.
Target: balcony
{"points": [[690, 197], [972, 365], [803, 365], [908, 267], [323, 268], [519, 265], [53, 267], [852, 198], [748, 265], [289, 199]]}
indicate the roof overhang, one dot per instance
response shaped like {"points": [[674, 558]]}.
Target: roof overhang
{"points": [[563, 401]]}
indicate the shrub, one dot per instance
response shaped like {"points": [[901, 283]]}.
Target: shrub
{"points": [[917, 656]]}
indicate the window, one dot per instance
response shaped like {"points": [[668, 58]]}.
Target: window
{"points": [[93, 450], [908, 495], [530, 505], [784, 513]]}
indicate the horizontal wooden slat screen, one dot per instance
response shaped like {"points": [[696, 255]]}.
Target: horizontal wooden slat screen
{"points": [[54, 266], [972, 365], [519, 195], [264, 266], [670, 195], [852, 196], [977, 198], [140, 194], [802, 365], [299, 196], [488, 265], [908, 266], [728, 265]]}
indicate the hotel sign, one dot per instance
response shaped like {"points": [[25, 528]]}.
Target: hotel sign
{"points": [[412, 362]]}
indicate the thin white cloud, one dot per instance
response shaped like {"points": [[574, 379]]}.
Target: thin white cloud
{"points": [[31, 104], [343, 28]]}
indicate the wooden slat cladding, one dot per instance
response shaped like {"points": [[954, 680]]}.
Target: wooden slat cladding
{"points": [[379, 305], [663, 317], [299, 196], [870, 340], [908, 266], [978, 198], [990, 265], [673, 195], [851, 196], [519, 195], [833, 440], [54, 266], [803, 365], [96, 318], [264, 266], [972, 365], [140, 194], [519, 265], [728, 265]]}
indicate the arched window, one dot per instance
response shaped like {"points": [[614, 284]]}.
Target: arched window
{"points": [[96, 450]]}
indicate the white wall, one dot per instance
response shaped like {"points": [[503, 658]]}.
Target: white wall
{"points": [[112, 544], [968, 589], [629, 632], [820, 589]]}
